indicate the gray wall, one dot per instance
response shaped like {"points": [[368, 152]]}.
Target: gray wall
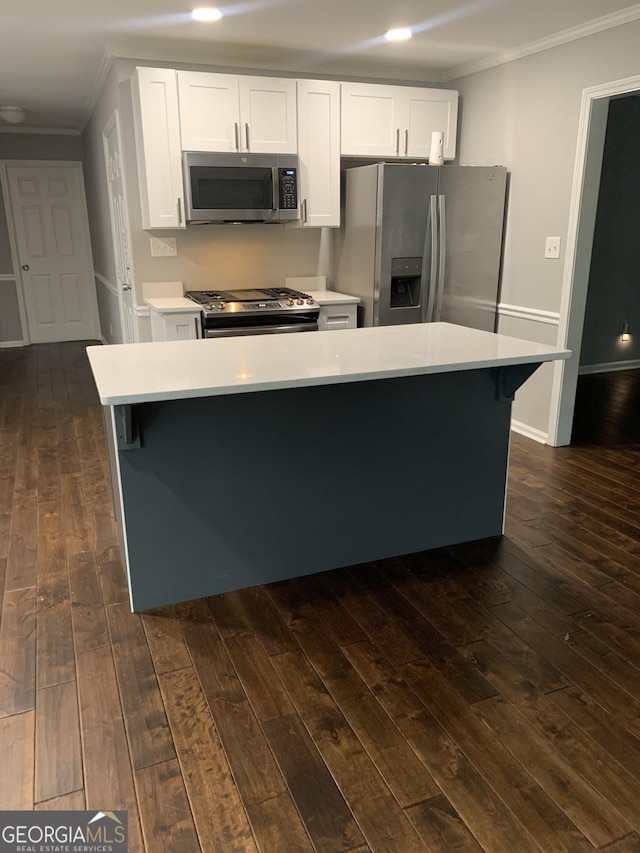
{"points": [[40, 146], [614, 279], [524, 114]]}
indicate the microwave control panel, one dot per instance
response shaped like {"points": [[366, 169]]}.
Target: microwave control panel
{"points": [[288, 196]]}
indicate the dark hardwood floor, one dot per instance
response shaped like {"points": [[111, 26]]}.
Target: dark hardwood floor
{"points": [[482, 697], [607, 408]]}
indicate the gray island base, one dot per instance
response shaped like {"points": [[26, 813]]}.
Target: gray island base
{"points": [[230, 490]]}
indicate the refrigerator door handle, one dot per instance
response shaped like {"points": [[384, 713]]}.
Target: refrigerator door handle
{"points": [[430, 250], [442, 248]]}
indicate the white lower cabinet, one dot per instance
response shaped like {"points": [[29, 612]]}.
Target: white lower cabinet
{"points": [[319, 153], [171, 320], [334, 317]]}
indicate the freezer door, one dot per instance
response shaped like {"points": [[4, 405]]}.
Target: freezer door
{"points": [[471, 209], [403, 243]]}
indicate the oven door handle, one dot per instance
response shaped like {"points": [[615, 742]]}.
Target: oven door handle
{"points": [[261, 330]]}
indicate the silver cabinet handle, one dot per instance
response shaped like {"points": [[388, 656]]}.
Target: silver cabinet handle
{"points": [[246, 135], [304, 212], [237, 135], [406, 142], [179, 211], [197, 325], [25, 267], [126, 287], [397, 140]]}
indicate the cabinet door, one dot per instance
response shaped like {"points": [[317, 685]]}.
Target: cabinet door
{"points": [[268, 115], [372, 121], [319, 151], [209, 111], [179, 326], [428, 110], [157, 131]]}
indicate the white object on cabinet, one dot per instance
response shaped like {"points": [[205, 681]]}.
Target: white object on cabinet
{"points": [[225, 112], [319, 152], [158, 150], [396, 121]]}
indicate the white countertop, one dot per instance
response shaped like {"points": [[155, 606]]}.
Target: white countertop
{"points": [[331, 297], [171, 304], [173, 370]]}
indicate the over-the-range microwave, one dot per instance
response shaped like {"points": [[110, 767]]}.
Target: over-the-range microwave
{"points": [[230, 187]]}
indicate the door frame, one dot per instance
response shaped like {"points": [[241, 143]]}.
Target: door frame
{"points": [[114, 121], [13, 248], [582, 215], [13, 242]]}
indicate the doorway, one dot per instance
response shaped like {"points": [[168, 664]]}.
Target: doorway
{"points": [[50, 230], [582, 218]]}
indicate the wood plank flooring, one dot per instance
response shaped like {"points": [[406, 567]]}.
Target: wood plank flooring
{"points": [[480, 697]]}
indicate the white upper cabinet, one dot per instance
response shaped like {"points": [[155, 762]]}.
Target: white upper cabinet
{"points": [[158, 151], [225, 112], [319, 152], [209, 116], [396, 121], [268, 115]]}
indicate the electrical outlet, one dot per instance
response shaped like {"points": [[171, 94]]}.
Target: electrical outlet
{"points": [[552, 247], [163, 247]]}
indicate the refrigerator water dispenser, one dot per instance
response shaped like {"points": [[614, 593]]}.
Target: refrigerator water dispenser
{"points": [[406, 277]]}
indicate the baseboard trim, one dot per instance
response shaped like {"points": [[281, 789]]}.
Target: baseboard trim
{"points": [[609, 367], [529, 431], [521, 312], [8, 344]]}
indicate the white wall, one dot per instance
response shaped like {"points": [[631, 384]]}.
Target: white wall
{"points": [[524, 114]]}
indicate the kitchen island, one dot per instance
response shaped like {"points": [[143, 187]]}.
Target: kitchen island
{"points": [[246, 460]]}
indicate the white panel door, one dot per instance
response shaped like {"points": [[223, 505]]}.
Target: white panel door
{"points": [[268, 115], [372, 120], [120, 229], [319, 151], [52, 235], [209, 111]]}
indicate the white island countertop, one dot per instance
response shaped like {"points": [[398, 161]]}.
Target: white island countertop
{"points": [[174, 370]]}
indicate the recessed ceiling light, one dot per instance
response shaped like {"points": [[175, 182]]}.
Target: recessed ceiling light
{"points": [[206, 13], [400, 34]]}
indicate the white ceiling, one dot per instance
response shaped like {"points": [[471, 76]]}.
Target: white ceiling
{"points": [[52, 51]]}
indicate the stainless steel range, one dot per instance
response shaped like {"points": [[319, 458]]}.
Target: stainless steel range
{"points": [[255, 312]]}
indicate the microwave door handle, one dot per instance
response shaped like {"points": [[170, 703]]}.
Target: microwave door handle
{"points": [[276, 188]]}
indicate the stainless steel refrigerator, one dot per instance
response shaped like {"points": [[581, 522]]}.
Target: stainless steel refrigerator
{"points": [[423, 243]]}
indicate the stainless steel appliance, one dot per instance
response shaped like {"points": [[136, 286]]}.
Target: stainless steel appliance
{"points": [[255, 312], [423, 243], [230, 187]]}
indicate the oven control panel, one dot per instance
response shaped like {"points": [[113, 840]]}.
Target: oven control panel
{"points": [[288, 189]]}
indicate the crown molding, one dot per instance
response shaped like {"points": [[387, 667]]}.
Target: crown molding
{"points": [[607, 22], [106, 64], [47, 131]]}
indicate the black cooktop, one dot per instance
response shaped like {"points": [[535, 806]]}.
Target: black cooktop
{"points": [[203, 297]]}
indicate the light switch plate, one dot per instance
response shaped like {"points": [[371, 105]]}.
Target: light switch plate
{"points": [[163, 247], [552, 247]]}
